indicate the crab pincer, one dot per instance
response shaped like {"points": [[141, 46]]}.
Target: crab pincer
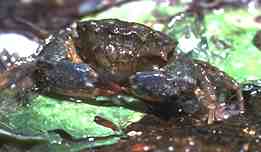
{"points": [[189, 77]]}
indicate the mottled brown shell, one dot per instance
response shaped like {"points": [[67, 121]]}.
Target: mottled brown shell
{"points": [[118, 49]]}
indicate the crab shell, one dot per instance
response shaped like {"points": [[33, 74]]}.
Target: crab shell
{"points": [[118, 49]]}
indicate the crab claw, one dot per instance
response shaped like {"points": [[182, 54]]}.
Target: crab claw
{"points": [[66, 78], [151, 86], [73, 80]]}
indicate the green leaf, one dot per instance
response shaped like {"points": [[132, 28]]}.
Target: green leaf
{"points": [[237, 29], [45, 113]]}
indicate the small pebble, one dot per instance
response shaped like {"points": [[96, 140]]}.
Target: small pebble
{"points": [[134, 133], [171, 148]]}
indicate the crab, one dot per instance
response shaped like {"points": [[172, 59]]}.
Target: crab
{"points": [[109, 57], [95, 57]]}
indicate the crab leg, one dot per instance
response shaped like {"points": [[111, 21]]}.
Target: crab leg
{"points": [[229, 83], [235, 86], [208, 90]]}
